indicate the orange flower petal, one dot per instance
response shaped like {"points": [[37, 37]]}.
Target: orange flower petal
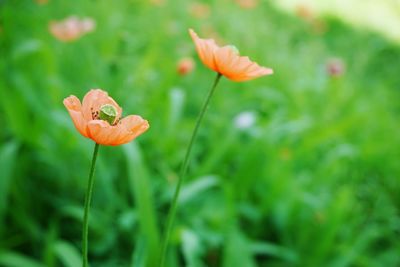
{"points": [[205, 48], [229, 63], [101, 131], [94, 100], [74, 108], [226, 61], [112, 135], [238, 68], [251, 72], [134, 126]]}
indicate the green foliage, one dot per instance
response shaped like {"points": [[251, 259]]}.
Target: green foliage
{"points": [[313, 182]]}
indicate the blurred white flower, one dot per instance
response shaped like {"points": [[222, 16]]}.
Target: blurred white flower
{"points": [[245, 120]]}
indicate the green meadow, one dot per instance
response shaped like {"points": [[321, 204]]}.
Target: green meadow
{"points": [[300, 168]]}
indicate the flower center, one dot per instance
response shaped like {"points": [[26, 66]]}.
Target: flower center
{"points": [[234, 49], [108, 113]]}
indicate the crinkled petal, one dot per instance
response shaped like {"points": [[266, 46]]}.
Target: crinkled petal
{"points": [[205, 49], [134, 126], [100, 131], [226, 61], [229, 63], [238, 68], [252, 72], [74, 108], [94, 100], [112, 135]]}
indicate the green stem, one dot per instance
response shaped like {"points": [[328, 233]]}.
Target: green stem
{"points": [[172, 210], [88, 198]]}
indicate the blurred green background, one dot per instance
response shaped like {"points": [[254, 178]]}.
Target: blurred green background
{"points": [[300, 168]]}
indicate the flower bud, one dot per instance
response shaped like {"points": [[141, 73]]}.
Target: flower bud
{"points": [[185, 66], [108, 113]]}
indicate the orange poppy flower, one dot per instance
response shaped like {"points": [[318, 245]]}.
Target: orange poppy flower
{"points": [[99, 118], [227, 61]]}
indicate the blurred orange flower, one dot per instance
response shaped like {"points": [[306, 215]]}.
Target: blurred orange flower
{"points": [[247, 3], [99, 118], [335, 67], [199, 10], [227, 61], [185, 66], [157, 2], [71, 28], [305, 12], [42, 2]]}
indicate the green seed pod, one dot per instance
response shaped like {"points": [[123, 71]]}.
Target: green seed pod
{"points": [[108, 113]]}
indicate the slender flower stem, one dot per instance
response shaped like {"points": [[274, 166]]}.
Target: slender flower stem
{"points": [[172, 210], [88, 198]]}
